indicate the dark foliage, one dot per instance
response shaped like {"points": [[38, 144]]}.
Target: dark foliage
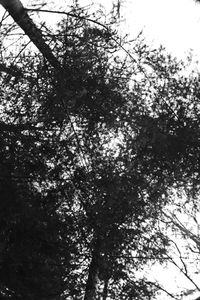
{"points": [[87, 159]]}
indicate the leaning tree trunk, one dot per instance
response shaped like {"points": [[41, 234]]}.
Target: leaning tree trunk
{"points": [[93, 274], [21, 17]]}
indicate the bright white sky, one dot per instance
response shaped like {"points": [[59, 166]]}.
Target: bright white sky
{"points": [[173, 23]]}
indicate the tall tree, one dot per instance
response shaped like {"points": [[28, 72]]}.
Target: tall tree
{"points": [[96, 170]]}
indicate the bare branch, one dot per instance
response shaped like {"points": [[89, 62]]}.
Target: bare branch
{"points": [[183, 229], [164, 290]]}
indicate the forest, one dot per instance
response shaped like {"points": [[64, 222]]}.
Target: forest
{"points": [[99, 158]]}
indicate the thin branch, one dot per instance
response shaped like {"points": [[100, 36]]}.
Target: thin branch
{"points": [[183, 229], [164, 290], [185, 273], [69, 14], [180, 256]]}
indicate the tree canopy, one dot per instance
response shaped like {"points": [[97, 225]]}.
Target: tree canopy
{"points": [[89, 156]]}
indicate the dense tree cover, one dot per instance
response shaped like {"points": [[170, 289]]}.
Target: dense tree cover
{"points": [[88, 158]]}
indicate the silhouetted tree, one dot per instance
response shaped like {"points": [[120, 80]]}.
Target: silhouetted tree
{"points": [[87, 170]]}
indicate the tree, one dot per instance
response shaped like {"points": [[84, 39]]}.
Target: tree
{"points": [[35, 242], [53, 168], [90, 163], [21, 17]]}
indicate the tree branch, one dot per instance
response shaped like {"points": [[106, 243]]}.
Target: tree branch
{"points": [[20, 16]]}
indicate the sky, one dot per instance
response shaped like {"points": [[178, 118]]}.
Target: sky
{"points": [[172, 23]]}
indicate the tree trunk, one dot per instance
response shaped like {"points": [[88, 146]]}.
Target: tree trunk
{"points": [[105, 289], [20, 16], [93, 275]]}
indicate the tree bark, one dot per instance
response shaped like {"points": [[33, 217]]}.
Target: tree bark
{"points": [[93, 274], [105, 289], [20, 16]]}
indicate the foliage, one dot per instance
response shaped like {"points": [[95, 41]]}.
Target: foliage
{"points": [[87, 160]]}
